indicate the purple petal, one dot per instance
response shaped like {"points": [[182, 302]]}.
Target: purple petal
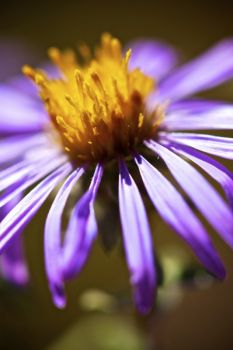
{"points": [[202, 193], [210, 69], [25, 86], [216, 145], [19, 113], [23, 212], [36, 174], [16, 175], [82, 229], [30, 159], [10, 170], [137, 241], [13, 265], [53, 238], [216, 170], [195, 105], [218, 117], [153, 58], [25, 169], [15, 146], [175, 211]]}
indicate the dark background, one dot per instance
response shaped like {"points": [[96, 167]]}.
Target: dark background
{"points": [[204, 317]]}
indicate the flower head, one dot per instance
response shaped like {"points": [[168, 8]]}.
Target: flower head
{"points": [[118, 106], [99, 108]]}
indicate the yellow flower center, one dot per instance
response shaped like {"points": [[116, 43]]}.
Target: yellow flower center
{"points": [[98, 106]]}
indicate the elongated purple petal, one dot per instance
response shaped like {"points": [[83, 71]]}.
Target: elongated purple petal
{"points": [[216, 170], [23, 212], [53, 238], [15, 177], [216, 145], [153, 58], [12, 169], [13, 265], [9, 94], [82, 229], [25, 169], [202, 193], [175, 211], [14, 147], [19, 113], [25, 86], [210, 69], [30, 161], [137, 241], [36, 174], [195, 106], [220, 117]]}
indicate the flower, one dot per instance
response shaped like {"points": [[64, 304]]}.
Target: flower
{"points": [[118, 108]]}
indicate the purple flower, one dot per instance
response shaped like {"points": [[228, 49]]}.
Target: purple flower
{"points": [[117, 109]]}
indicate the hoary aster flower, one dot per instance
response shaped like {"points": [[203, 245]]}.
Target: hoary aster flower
{"points": [[113, 111]]}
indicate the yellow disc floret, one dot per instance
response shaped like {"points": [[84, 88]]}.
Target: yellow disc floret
{"points": [[98, 105]]}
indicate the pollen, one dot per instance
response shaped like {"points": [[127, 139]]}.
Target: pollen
{"points": [[98, 105]]}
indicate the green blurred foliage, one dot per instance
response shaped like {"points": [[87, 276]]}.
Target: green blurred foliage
{"points": [[102, 332]]}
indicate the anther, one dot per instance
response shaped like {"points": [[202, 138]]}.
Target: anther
{"points": [[71, 101], [98, 83], [55, 55], [116, 48], [29, 72]]}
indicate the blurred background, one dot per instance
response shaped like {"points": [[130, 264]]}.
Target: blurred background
{"points": [[193, 311]]}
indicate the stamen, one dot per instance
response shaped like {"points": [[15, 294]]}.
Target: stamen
{"points": [[116, 49], [106, 42], [28, 71], [140, 120], [127, 58], [55, 56], [71, 101]]}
